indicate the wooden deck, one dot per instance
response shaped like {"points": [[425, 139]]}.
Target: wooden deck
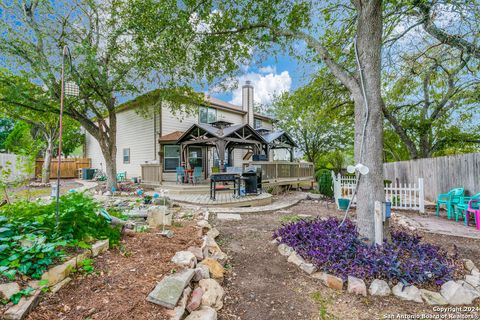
{"points": [[223, 199]]}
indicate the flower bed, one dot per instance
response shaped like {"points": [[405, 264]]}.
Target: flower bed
{"points": [[338, 250]]}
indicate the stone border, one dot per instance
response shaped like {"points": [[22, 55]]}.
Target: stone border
{"points": [[56, 276], [195, 292], [459, 292]]}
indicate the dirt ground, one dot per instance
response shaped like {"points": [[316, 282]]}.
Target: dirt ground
{"points": [[122, 279], [30, 193], [261, 284]]}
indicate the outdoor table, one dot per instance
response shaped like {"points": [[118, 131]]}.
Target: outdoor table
{"points": [[224, 177]]}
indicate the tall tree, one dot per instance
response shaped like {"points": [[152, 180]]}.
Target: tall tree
{"points": [[6, 126], [318, 116]]}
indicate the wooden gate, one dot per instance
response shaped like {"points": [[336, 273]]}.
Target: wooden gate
{"points": [[68, 168]]}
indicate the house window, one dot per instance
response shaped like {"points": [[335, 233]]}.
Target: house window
{"points": [[126, 155], [207, 115], [195, 158], [257, 123], [171, 159]]}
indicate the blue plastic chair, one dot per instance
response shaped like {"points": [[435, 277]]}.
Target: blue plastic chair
{"points": [[462, 206], [180, 174], [197, 175], [450, 199]]}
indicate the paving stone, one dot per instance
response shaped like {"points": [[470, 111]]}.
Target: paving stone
{"points": [[24, 306], [8, 289], [99, 247], [169, 290], [229, 216], [179, 311], [204, 313], [379, 288], [433, 298], [409, 293], [356, 286]]}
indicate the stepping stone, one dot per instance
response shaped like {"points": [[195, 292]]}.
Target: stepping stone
{"points": [[229, 216], [169, 290]]}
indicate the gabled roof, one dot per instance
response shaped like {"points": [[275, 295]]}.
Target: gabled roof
{"points": [[171, 136], [213, 132], [279, 136]]}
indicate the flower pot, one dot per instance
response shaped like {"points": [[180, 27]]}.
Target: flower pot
{"points": [[343, 203]]}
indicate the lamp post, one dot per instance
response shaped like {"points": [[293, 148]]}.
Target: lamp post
{"points": [[69, 88]]}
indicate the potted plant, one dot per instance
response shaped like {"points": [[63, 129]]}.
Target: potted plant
{"points": [[147, 199], [343, 202]]}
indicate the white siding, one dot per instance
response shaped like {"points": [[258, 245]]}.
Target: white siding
{"points": [[178, 121], [93, 151]]}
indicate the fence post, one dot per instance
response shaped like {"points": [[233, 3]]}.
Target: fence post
{"points": [[378, 218], [421, 195]]}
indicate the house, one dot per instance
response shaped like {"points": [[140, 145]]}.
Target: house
{"points": [[218, 135]]}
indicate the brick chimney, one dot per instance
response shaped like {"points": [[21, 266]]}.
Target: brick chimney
{"points": [[247, 102]]}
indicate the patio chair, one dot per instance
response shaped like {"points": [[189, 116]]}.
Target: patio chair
{"points": [[449, 199], [196, 176], [121, 176], [474, 207], [180, 174], [462, 206]]}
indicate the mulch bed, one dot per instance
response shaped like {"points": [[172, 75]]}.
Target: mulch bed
{"points": [[122, 279]]}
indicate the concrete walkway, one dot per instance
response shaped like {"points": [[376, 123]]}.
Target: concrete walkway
{"points": [[441, 225]]}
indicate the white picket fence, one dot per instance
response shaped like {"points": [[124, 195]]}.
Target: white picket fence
{"points": [[400, 195]]}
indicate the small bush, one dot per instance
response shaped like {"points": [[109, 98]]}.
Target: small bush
{"points": [[325, 182], [339, 250]]}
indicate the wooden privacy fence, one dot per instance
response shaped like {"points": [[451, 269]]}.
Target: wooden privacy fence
{"points": [[68, 168], [441, 174], [406, 196]]}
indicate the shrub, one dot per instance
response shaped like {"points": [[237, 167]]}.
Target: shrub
{"points": [[339, 250], [325, 182]]}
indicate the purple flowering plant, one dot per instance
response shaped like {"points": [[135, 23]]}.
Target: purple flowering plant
{"points": [[340, 251]]}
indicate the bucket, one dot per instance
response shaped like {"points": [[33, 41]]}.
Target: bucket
{"points": [[343, 203]]}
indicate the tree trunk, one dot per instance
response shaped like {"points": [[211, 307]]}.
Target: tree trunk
{"points": [[47, 160], [370, 186]]}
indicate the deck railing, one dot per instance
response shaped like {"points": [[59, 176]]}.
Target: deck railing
{"points": [[277, 170], [151, 173]]}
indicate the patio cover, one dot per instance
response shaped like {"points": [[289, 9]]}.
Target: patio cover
{"points": [[278, 139], [241, 136]]}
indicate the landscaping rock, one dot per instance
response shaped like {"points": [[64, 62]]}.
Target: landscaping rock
{"points": [[474, 280], [195, 299], [215, 268], [60, 285], [379, 288], [8, 289], [409, 293], [99, 247], [308, 268], [284, 250], [468, 286], [456, 294], [475, 272], [433, 298], [319, 275], [58, 273], [24, 306], [201, 272], [178, 312], [469, 265], [296, 259], [229, 216], [158, 216], [184, 259], [197, 252], [204, 224], [204, 313], [356, 286], [169, 290], [213, 233], [333, 282], [213, 293], [220, 256]]}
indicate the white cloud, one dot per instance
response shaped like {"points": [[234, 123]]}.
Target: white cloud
{"points": [[266, 86], [268, 69]]}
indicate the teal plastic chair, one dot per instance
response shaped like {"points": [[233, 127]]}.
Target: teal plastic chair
{"points": [[197, 175], [450, 199], [122, 176], [462, 207], [180, 174]]}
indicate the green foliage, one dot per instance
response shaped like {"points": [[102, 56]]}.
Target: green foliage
{"points": [[20, 140], [325, 182], [22, 293], [87, 266], [30, 241], [290, 218], [6, 126]]}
